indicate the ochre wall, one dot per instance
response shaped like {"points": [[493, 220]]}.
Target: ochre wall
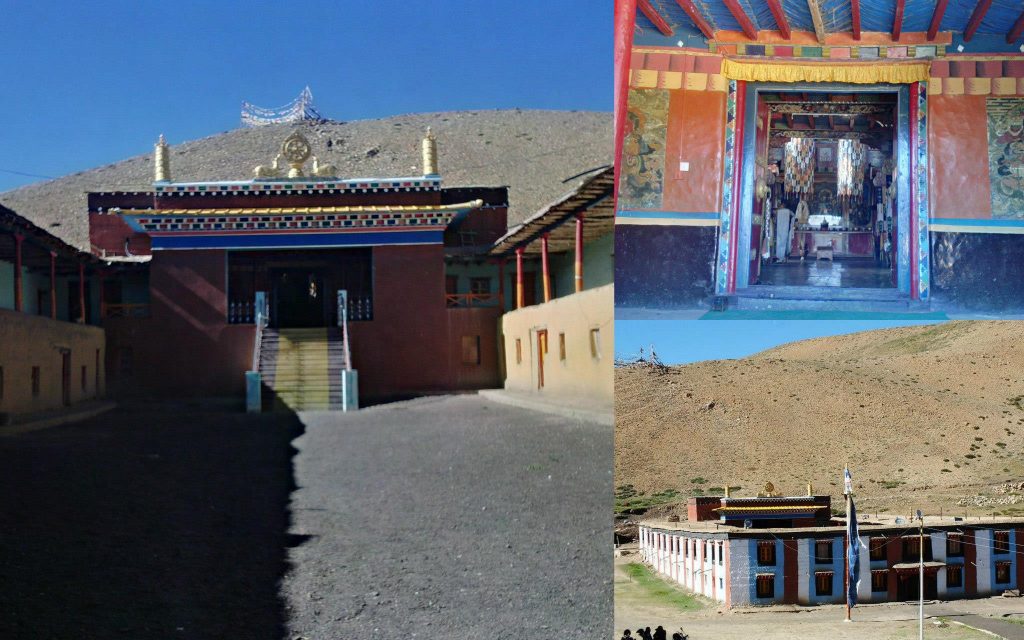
{"points": [[580, 376], [958, 149], [695, 134], [27, 341]]}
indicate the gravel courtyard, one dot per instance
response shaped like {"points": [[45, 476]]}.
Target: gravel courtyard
{"points": [[447, 517]]}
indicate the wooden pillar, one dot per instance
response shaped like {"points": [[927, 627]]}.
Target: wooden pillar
{"points": [[18, 302], [579, 252], [501, 284], [81, 292], [544, 264], [53, 285], [519, 277]]}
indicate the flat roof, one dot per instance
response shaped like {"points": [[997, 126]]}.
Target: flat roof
{"points": [[866, 526]]}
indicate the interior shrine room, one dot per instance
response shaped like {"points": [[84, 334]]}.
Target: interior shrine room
{"points": [[824, 196]]}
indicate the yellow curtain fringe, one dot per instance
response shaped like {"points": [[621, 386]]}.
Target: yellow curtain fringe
{"points": [[868, 73]]}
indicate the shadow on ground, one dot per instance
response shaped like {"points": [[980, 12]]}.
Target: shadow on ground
{"points": [[151, 521]]}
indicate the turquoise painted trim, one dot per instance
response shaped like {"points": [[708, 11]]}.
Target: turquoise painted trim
{"points": [[978, 222], [675, 215]]}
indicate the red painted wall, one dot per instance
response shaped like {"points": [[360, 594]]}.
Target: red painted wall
{"points": [[958, 150], [185, 347], [695, 134]]}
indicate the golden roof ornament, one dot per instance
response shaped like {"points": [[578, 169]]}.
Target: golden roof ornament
{"points": [[769, 491], [430, 154], [296, 150], [161, 161]]}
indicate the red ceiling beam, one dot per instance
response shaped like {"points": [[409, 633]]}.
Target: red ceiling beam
{"points": [[979, 12], [940, 10], [698, 19], [741, 17], [655, 17], [855, 9], [1018, 28], [780, 17], [897, 23]]}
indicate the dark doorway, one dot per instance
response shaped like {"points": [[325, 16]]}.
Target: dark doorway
{"points": [[909, 583], [298, 298], [65, 377]]}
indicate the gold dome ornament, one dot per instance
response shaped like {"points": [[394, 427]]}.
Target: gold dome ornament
{"points": [[296, 151]]}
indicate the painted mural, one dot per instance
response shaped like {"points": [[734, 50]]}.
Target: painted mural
{"points": [[1006, 156], [643, 151]]}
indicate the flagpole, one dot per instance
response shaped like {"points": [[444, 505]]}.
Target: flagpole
{"points": [[849, 541]]}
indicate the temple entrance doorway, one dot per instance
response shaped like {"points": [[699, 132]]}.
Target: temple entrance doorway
{"points": [[297, 298], [824, 206]]}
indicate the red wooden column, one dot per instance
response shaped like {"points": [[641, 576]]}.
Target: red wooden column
{"points": [[81, 292], [501, 284], [579, 252], [544, 264], [18, 239], [519, 278], [53, 285]]}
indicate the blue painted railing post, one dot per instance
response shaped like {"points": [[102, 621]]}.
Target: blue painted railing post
{"points": [[253, 378], [349, 376]]}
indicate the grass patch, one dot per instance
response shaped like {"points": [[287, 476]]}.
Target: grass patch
{"points": [[891, 484], [629, 500], [657, 589]]}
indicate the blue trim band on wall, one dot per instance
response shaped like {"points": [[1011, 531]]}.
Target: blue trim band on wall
{"points": [[290, 241], [978, 222]]}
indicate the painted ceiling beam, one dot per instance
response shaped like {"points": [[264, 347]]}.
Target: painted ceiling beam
{"points": [[979, 12], [698, 19], [897, 23], [741, 17], [1018, 28], [940, 10], [780, 17], [652, 14], [855, 11], [819, 24]]}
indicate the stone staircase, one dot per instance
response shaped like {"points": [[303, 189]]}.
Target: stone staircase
{"points": [[302, 368], [780, 297]]}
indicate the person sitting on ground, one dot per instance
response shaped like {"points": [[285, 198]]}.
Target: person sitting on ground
{"points": [[659, 634]]}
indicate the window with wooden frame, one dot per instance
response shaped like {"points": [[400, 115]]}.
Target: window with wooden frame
{"points": [[1000, 542], [721, 553], [35, 382], [955, 545], [1002, 572], [519, 351], [595, 344], [480, 286], [766, 553], [765, 585], [879, 581], [876, 548], [823, 583], [954, 576], [911, 548], [561, 347], [823, 551], [470, 349]]}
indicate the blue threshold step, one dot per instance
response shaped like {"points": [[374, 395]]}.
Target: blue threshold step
{"points": [[845, 299]]}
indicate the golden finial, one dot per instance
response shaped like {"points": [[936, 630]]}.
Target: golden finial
{"points": [[727, 492], [161, 161], [430, 154], [810, 489]]}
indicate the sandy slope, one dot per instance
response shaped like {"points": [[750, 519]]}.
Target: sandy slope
{"points": [[902, 405]]}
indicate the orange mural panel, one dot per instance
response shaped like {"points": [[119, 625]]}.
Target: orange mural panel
{"points": [[958, 145], [696, 135]]}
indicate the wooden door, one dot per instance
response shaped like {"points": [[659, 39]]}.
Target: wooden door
{"points": [[65, 377]]}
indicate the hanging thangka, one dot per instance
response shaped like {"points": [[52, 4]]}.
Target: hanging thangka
{"points": [[1006, 156], [850, 170], [799, 177], [643, 150]]}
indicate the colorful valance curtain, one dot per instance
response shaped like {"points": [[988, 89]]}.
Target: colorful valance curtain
{"points": [[799, 176], [856, 73], [852, 157]]}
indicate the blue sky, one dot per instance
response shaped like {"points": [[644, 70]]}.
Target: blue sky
{"points": [[684, 341], [86, 84]]}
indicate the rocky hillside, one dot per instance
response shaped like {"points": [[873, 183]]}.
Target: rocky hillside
{"points": [[929, 416], [532, 152]]}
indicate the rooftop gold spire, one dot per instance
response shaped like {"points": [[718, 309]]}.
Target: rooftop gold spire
{"points": [[161, 161], [430, 154]]}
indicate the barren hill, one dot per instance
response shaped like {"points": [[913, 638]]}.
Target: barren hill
{"points": [[925, 417], [530, 151]]}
